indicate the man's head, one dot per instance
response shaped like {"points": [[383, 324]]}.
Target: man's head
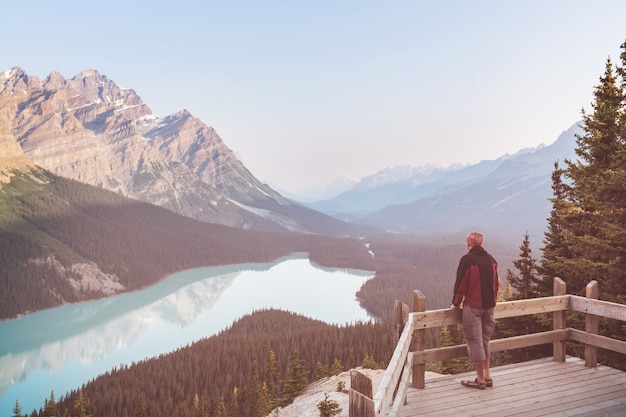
{"points": [[474, 239]]}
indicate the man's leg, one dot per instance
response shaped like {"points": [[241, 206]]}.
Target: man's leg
{"points": [[482, 369], [488, 325], [472, 328], [486, 370]]}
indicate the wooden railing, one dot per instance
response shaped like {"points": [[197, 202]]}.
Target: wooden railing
{"points": [[408, 363]]}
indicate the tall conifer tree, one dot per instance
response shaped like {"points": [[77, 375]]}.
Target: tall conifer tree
{"points": [[256, 406], [17, 409], [526, 282], [555, 252], [296, 379], [271, 378], [586, 239], [233, 407]]}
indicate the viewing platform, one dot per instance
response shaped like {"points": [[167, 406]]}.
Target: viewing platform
{"points": [[559, 385], [536, 388]]}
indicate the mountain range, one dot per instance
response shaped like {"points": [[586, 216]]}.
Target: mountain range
{"points": [[89, 129], [506, 196]]}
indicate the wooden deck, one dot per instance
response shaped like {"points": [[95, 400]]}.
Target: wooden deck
{"points": [[556, 386], [536, 388]]}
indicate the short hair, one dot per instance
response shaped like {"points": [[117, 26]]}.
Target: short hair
{"points": [[474, 239]]}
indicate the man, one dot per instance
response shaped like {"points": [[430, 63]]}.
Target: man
{"points": [[476, 287]]}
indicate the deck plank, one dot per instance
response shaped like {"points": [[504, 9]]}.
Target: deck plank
{"points": [[535, 388]]}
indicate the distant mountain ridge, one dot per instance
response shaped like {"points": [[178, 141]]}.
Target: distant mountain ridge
{"points": [[506, 196], [89, 129]]}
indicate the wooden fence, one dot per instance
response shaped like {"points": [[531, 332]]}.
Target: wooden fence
{"points": [[408, 363]]}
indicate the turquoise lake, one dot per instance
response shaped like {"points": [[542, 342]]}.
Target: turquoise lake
{"points": [[62, 348]]}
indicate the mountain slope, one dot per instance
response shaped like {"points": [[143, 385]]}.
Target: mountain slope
{"points": [[89, 129]]}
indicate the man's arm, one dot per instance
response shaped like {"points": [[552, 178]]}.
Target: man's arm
{"points": [[460, 273]]}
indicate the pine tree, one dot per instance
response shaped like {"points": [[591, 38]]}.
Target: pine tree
{"points": [[265, 399], [586, 237], [555, 253], [451, 366], [220, 410], [320, 371], [337, 367], [445, 339], [589, 206], [328, 407], [17, 409], [509, 293], [597, 180], [271, 378], [233, 407], [255, 404], [197, 410], [82, 406], [295, 381], [50, 406], [351, 363], [368, 361], [526, 284]]}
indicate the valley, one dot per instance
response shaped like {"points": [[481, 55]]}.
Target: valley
{"points": [[102, 198]]}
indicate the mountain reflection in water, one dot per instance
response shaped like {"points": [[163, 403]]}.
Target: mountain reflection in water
{"points": [[62, 348]]}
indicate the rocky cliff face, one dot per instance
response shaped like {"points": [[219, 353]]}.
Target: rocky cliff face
{"points": [[89, 129], [11, 156]]}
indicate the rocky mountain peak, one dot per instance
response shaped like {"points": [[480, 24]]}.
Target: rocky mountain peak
{"points": [[185, 138], [16, 80], [96, 88], [90, 129], [54, 81]]}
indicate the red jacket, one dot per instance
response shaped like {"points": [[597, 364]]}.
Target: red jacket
{"points": [[477, 280]]}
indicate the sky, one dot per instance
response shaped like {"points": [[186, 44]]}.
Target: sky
{"points": [[305, 92]]}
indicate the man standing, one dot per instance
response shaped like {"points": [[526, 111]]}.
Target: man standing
{"points": [[476, 287]]}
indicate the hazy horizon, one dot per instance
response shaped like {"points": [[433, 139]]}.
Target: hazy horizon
{"points": [[305, 93]]}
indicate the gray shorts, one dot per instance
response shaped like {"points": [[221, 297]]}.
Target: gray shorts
{"points": [[478, 326]]}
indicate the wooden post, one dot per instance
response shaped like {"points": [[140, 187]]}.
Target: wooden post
{"points": [[419, 342], [361, 403], [401, 315], [558, 348], [591, 326]]}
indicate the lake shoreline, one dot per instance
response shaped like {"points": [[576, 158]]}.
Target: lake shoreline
{"points": [[75, 342]]}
